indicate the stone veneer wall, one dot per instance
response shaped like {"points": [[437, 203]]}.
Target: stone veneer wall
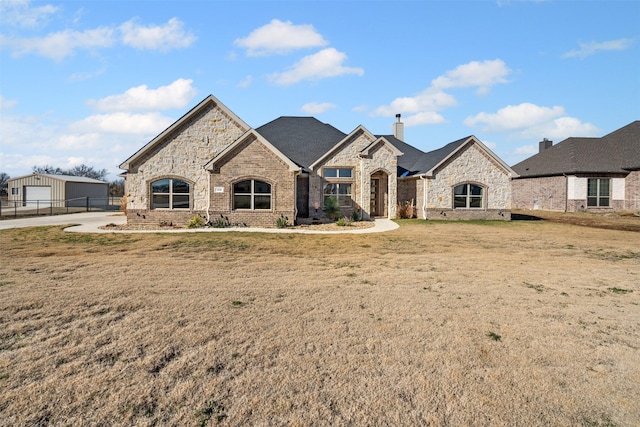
{"points": [[545, 193], [381, 158], [182, 155], [252, 160], [471, 165]]}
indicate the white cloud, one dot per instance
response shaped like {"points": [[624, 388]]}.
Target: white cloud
{"points": [[19, 13], [530, 121], [164, 38], [591, 48], [102, 141], [7, 104], [122, 123], [246, 82], [478, 74], [278, 37], [526, 150], [60, 45], [429, 100], [514, 117], [317, 108], [83, 76], [424, 118], [424, 107], [175, 95], [324, 64]]}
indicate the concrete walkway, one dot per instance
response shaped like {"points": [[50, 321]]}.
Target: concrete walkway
{"points": [[90, 222]]}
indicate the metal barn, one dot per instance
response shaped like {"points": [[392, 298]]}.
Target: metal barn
{"points": [[44, 190]]}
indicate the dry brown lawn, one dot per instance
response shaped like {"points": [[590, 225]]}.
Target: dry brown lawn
{"points": [[522, 323]]}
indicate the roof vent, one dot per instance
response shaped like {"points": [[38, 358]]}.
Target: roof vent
{"points": [[544, 144], [398, 128]]}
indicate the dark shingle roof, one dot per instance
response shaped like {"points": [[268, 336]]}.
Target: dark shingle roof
{"points": [[616, 152], [432, 158], [302, 139], [409, 157], [305, 139], [415, 162]]}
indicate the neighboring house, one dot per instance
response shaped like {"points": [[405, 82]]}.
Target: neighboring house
{"points": [[581, 174], [44, 190], [210, 162]]}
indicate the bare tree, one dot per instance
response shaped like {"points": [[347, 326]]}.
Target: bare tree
{"points": [[80, 170], [4, 184]]}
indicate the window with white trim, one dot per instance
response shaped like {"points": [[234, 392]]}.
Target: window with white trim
{"points": [[598, 192], [252, 194], [468, 196], [170, 193], [338, 186], [340, 191], [337, 172]]}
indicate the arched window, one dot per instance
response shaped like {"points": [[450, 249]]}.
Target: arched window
{"points": [[170, 193], [468, 196], [252, 194]]}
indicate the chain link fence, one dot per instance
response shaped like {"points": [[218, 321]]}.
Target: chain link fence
{"points": [[10, 209]]}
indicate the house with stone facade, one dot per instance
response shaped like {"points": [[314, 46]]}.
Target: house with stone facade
{"points": [[582, 174], [211, 163]]}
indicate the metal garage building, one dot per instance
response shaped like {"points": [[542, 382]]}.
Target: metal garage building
{"points": [[43, 190]]}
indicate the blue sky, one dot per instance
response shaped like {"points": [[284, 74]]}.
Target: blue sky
{"points": [[93, 81]]}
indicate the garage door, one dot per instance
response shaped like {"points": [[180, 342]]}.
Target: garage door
{"points": [[37, 196]]}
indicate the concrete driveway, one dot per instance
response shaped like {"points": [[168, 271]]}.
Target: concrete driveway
{"points": [[90, 222]]}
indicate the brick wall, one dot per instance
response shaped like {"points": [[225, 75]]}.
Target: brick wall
{"points": [[545, 193], [632, 191], [466, 214], [252, 160]]}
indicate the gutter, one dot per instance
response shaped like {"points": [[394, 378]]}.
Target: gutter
{"points": [[208, 194], [566, 191], [362, 185], [425, 193]]}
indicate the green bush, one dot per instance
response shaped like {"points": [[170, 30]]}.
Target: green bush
{"points": [[196, 222], [343, 222], [331, 208], [282, 222]]}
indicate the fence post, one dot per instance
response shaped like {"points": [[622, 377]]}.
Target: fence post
{"points": [[87, 203]]}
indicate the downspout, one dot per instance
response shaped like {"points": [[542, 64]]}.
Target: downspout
{"points": [[208, 194], [362, 186], [295, 194], [424, 196], [566, 191]]}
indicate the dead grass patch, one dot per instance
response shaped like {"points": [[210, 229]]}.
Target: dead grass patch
{"points": [[514, 323]]}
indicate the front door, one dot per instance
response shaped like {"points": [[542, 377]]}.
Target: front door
{"points": [[375, 199]]}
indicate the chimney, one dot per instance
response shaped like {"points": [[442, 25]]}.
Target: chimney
{"points": [[544, 144], [398, 128]]}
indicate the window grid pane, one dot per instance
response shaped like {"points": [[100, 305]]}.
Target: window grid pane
{"points": [[170, 193], [468, 196], [160, 201], [261, 187], [252, 195], [344, 173]]}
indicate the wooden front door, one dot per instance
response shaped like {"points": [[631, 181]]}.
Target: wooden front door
{"points": [[375, 198]]}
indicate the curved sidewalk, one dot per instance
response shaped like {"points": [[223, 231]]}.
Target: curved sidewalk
{"points": [[90, 222]]}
